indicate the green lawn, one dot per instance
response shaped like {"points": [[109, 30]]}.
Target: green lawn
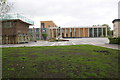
{"points": [[78, 61]]}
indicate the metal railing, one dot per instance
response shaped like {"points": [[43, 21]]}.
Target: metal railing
{"points": [[16, 16]]}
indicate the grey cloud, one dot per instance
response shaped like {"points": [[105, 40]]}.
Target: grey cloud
{"points": [[77, 12]]}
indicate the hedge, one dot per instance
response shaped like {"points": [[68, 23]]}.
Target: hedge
{"points": [[114, 40]]}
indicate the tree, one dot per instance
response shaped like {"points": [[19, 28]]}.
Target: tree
{"points": [[109, 31], [5, 7]]}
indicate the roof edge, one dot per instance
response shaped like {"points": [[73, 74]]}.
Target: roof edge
{"points": [[116, 20]]}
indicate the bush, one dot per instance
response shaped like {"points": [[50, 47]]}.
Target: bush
{"points": [[114, 40], [52, 39], [44, 35]]}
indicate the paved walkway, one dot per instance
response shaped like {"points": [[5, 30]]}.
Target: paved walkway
{"points": [[104, 42]]}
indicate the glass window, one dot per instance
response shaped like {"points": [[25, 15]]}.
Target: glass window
{"points": [[7, 24], [42, 25]]}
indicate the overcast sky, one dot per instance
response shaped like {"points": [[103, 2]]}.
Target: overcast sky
{"points": [[68, 13]]}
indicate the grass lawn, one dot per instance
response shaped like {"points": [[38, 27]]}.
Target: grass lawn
{"points": [[78, 61]]}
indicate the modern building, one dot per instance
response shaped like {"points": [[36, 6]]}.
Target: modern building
{"points": [[72, 32], [45, 25], [35, 34], [78, 32], [15, 28]]}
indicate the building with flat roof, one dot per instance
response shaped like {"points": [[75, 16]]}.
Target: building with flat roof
{"points": [[15, 28], [78, 32], [47, 24], [44, 26], [73, 32]]}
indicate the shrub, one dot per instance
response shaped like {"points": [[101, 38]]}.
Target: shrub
{"points": [[114, 40], [52, 39], [44, 35]]}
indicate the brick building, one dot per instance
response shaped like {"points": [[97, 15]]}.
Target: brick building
{"points": [[15, 28]]}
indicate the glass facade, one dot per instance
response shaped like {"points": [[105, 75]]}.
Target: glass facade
{"points": [[99, 32], [90, 32], [34, 33], [95, 32], [42, 24]]}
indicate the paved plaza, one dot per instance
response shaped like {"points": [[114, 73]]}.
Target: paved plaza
{"points": [[104, 42]]}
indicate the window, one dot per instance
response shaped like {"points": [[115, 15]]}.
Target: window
{"points": [[70, 29], [48, 25], [42, 25], [7, 24], [62, 30], [37, 29]]}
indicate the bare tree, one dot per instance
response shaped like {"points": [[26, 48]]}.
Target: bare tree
{"points": [[4, 7]]}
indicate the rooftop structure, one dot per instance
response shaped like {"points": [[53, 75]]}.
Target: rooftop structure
{"points": [[16, 17], [94, 26]]}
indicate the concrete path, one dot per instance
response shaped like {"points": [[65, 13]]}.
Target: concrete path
{"points": [[72, 41]]}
